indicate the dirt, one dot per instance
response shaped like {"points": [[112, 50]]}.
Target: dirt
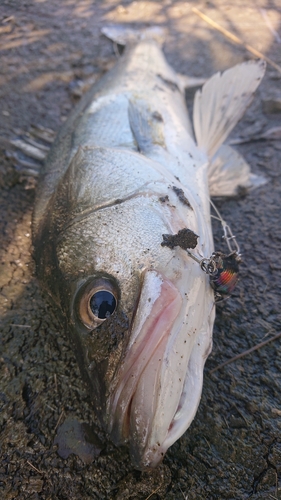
{"points": [[50, 52], [180, 194], [185, 238]]}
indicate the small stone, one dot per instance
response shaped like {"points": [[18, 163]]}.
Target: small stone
{"points": [[78, 438]]}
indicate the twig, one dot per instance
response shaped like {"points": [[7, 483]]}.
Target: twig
{"points": [[241, 415], [37, 470], [59, 419], [245, 353], [235, 38], [207, 442], [51, 408], [155, 491], [20, 326], [184, 496], [8, 19], [56, 382]]}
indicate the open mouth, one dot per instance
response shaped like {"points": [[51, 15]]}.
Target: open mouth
{"points": [[159, 385], [135, 398]]}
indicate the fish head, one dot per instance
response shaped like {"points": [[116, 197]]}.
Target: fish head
{"points": [[139, 314]]}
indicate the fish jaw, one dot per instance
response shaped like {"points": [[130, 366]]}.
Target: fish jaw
{"points": [[151, 326], [150, 406]]}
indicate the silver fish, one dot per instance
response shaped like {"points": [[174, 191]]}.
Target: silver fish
{"points": [[125, 170]]}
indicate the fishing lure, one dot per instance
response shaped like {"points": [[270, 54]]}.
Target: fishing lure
{"points": [[223, 270]]}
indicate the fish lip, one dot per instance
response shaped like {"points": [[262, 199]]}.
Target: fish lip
{"points": [[148, 336]]}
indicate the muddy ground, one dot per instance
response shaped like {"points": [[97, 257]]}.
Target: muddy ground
{"points": [[49, 50]]}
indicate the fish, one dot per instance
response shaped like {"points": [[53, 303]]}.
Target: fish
{"points": [[125, 175]]}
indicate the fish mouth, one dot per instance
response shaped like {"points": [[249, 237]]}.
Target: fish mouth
{"points": [[148, 402], [135, 399]]}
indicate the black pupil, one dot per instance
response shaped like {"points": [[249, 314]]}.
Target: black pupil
{"points": [[102, 304]]}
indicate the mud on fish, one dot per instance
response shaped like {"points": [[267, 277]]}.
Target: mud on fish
{"points": [[125, 169]]}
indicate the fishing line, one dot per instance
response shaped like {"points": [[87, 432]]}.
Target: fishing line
{"points": [[228, 236]]}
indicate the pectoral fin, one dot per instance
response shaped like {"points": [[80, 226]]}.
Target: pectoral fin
{"points": [[146, 124]]}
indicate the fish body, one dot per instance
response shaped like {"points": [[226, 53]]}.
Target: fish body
{"points": [[125, 170]]}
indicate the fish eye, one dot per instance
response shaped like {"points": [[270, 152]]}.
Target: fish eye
{"points": [[98, 302], [102, 304]]}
